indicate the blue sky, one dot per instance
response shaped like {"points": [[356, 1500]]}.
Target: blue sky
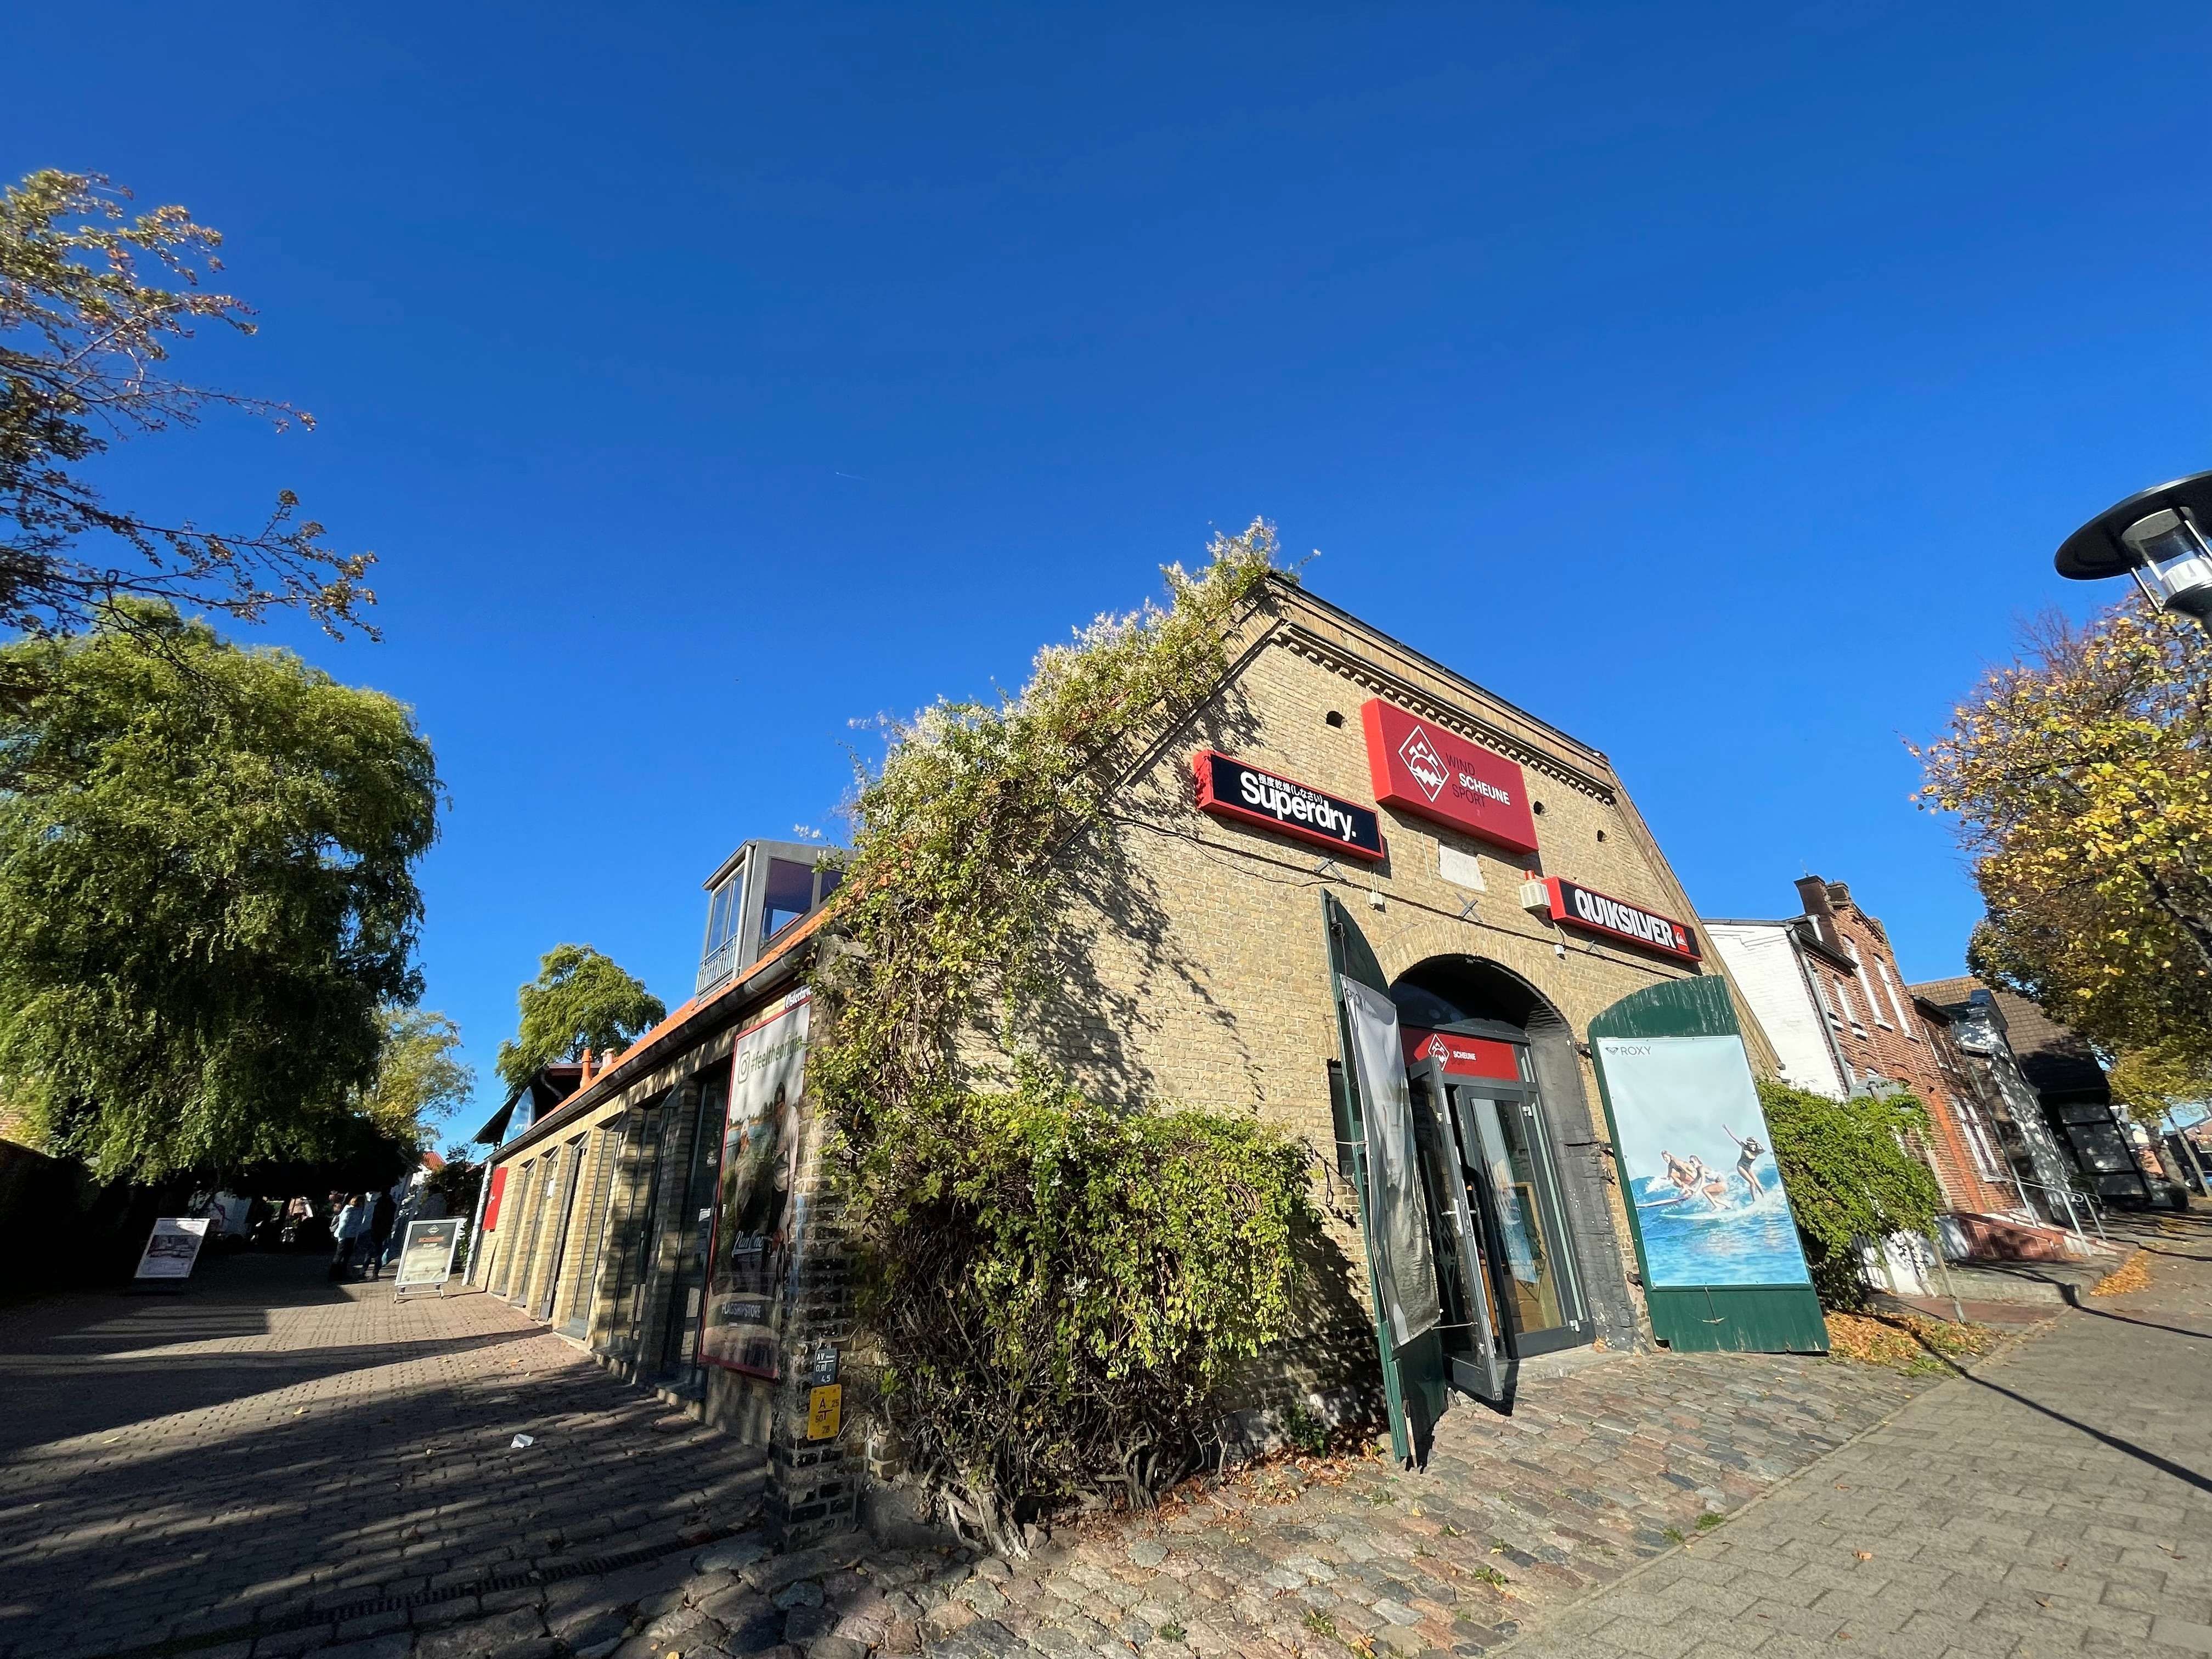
{"points": [[1713, 381]]}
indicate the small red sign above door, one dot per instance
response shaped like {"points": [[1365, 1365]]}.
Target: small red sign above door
{"points": [[1417, 766], [1578, 906], [1462, 1056]]}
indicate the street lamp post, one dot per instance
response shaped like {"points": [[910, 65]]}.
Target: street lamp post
{"points": [[2158, 538]]}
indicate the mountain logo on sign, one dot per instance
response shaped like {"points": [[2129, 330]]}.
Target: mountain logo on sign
{"points": [[1423, 762], [1439, 1049]]}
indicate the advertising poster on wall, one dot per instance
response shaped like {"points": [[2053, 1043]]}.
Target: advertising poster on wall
{"points": [[758, 1214], [1398, 1216], [172, 1247], [425, 1259], [1695, 1156]]}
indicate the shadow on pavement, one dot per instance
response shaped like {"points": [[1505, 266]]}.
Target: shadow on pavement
{"points": [[394, 1463], [2127, 1448], [76, 1399]]}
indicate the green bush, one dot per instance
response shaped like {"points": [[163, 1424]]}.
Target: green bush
{"points": [[1063, 1290], [1059, 1291], [1850, 1175]]}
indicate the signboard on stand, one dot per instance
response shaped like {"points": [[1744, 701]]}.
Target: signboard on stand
{"points": [[425, 1256], [171, 1248]]}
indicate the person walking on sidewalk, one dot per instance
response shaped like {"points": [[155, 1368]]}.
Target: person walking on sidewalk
{"points": [[352, 1223], [381, 1211]]}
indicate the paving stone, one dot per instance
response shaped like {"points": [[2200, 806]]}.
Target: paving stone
{"points": [[311, 1438], [1911, 1540]]}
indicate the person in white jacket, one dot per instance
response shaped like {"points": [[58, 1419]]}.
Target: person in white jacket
{"points": [[352, 1223]]}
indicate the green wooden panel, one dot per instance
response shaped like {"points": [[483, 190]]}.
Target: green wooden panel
{"points": [[1752, 1318], [1414, 1377]]}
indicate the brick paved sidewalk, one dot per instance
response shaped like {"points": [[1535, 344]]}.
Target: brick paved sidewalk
{"points": [[1596, 1471], [2058, 1501], [267, 1443], [1570, 1529]]}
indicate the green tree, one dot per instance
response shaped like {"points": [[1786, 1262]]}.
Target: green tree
{"points": [[90, 306], [2081, 778], [1850, 1175], [456, 1180], [581, 1000], [418, 1078], [207, 894]]}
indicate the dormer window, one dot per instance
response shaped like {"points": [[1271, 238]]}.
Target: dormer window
{"points": [[757, 894], [790, 896], [725, 915]]}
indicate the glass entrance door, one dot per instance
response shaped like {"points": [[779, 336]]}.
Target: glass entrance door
{"points": [[1470, 1331], [1508, 1162], [695, 1232]]}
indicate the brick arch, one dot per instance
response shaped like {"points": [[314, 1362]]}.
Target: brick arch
{"points": [[1481, 987]]}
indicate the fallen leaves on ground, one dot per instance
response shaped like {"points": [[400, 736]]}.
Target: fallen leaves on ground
{"points": [[2133, 1275], [1907, 1342]]}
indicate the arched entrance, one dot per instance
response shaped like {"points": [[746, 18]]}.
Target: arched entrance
{"points": [[1497, 1100]]}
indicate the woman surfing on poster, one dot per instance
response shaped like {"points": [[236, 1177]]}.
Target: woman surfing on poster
{"points": [[1748, 1151]]}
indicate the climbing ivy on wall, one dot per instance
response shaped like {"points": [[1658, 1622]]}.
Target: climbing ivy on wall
{"points": [[1850, 1176], [1058, 1289]]}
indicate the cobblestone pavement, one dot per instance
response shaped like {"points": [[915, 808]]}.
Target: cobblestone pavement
{"points": [[267, 1443], [2052, 1503], [2058, 1501]]}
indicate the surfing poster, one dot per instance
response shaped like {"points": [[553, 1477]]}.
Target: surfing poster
{"points": [[757, 1212], [1698, 1164]]}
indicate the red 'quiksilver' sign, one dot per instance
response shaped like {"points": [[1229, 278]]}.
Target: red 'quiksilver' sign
{"points": [[1417, 766], [1578, 906]]}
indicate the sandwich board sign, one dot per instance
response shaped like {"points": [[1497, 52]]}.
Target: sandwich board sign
{"points": [[172, 1247], [425, 1256]]}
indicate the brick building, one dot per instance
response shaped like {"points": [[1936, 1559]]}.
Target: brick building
{"points": [[1495, 867], [1826, 986], [2068, 1081]]}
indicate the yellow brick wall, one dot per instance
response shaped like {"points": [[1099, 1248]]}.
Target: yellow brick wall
{"points": [[1192, 961]]}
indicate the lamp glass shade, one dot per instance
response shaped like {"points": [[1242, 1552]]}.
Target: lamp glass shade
{"points": [[2175, 560]]}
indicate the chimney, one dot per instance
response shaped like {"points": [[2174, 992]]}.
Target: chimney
{"points": [[586, 1081], [1839, 894], [1817, 897]]}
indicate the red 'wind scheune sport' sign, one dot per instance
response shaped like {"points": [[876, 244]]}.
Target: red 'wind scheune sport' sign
{"points": [[1578, 906], [1459, 1054], [1417, 766]]}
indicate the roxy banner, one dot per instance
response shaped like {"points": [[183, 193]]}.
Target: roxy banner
{"points": [[1695, 1153]]}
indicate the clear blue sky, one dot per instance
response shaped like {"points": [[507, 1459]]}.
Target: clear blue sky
{"points": [[1714, 381]]}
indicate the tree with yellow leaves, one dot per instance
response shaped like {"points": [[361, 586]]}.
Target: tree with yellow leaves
{"points": [[2082, 784]]}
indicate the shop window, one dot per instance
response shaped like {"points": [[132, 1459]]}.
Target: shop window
{"points": [[790, 896]]}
